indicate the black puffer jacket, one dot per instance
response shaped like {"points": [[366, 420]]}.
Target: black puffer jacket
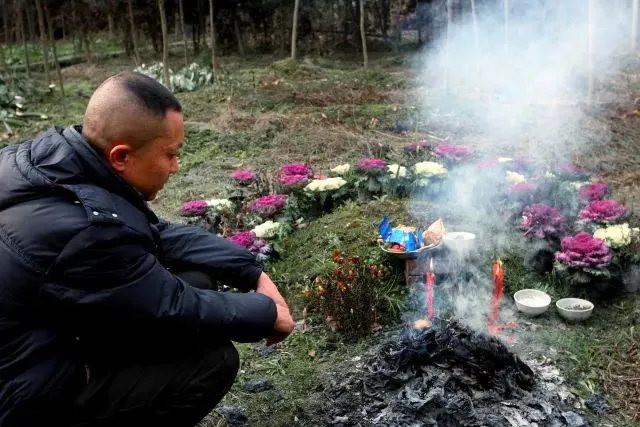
{"points": [[85, 273]]}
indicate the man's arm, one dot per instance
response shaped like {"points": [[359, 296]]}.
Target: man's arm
{"points": [[191, 248], [106, 285]]}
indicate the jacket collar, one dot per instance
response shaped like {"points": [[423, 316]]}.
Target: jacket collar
{"points": [[105, 177]]}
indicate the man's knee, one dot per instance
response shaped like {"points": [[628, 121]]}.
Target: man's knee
{"points": [[222, 363]]}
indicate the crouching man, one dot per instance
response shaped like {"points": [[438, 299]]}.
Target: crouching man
{"points": [[106, 313]]}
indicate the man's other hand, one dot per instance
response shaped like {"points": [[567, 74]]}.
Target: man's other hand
{"points": [[284, 324], [283, 327]]}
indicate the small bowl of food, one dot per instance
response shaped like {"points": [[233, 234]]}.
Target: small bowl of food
{"points": [[460, 242], [574, 309], [532, 301]]}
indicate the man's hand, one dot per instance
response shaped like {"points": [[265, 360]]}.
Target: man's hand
{"points": [[283, 327], [284, 322]]}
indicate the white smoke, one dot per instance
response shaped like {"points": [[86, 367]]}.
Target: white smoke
{"points": [[520, 91]]}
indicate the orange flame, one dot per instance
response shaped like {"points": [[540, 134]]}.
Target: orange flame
{"points": [[431, 264], [498, 270]]}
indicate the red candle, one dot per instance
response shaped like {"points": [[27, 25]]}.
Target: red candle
{"points": [[431, 281], [498, 281]]}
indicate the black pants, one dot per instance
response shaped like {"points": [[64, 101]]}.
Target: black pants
{"points": [[176, 394]]}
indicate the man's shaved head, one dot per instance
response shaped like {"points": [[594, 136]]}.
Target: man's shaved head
{"points": [[128, 108], [136, 124]]}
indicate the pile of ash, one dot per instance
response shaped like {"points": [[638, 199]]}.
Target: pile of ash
{"points": [[445, 375]]}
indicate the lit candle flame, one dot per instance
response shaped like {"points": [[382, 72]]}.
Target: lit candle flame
{"points": [[431, 264]]}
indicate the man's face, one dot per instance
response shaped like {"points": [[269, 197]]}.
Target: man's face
{"points": [[149, 168]]}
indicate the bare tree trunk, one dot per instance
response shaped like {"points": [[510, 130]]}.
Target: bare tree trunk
{"points": [[134, 33], [165, 43], [294, 29], [5, 38], [590, 42], [44, 41], [634, 25], [213, 36], [236, 29], [110, 21], [184, 34], [20, 16], [32, 29], [363, 36], [506, 26], [55, 60]]}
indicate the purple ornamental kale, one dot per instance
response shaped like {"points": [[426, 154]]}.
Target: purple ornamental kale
{"points": [[296, 169], [603, 211], [593, 192], [243, 238], [194, 208], [542, 221], [584, 251], [269, 205], [452, 151], [372, 165], [244, 177]]}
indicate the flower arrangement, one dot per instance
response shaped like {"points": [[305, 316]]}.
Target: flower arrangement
{"points": [[327, 184], [592, 192], [269, 205], [296, 169], [247, 239], [372, 179], [583, 258], [341, 170], [244, 177], [572, 172], [397, 171], [542, 221], [616, 236], [416, 152], [452, 152], [371, 166], [514, 177], [429, 169], [222, 206], [268, 229], [194, 208], [603, 211]]}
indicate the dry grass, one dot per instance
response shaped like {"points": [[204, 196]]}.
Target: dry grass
{"points": [[340, 96], [622, 380]]}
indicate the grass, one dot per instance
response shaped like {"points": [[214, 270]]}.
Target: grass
{"points": [[260, 114]]}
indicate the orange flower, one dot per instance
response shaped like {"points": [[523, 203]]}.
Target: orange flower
{"points": [[308, 293], [353, 260], [342, 286], [337, 273], [321, 291]]}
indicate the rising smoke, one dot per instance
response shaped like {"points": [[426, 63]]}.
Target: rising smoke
{"points": [[514, 84]]}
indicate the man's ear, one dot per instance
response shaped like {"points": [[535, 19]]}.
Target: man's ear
{"points": [[118, 156]]}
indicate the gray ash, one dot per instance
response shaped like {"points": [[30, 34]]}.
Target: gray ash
{"points": [[446, 375]]}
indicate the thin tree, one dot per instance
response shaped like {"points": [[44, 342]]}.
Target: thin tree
{"points": [[236, 29], [55, 59], [184, 33], [44, 40], [294, 29], [133, 33], [165, 43], [634, 25], [363, 36], [20, 19], [5, 38], [213, 36]]}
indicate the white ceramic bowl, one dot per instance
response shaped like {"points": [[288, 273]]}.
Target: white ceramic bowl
{"points": [[574, 308], [459, 241], [532, 301]]}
